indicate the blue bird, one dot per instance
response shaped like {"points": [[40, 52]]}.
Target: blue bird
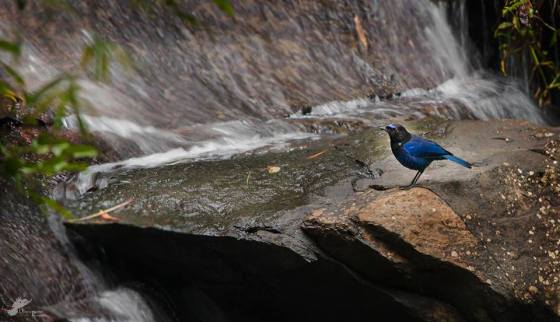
{"points": [[417, 153]]}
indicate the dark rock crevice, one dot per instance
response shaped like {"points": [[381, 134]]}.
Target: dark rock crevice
{"points": [[415, 273], [240, 280]]}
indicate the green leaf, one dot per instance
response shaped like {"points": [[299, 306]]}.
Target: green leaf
{"points": [[516, 23], [76, 166], [122, 57], [59, 114], [48, 139], [187, 18], [513, 6], [4, 88], [78, 151], [12, 47], [13, 73], [28, 169], [59, 149], [21, 4], [40, 148], [28, 119], [87, 57], [51, 166], [58, 5], [54, 205], [32, 98], [11, 166], [225, 6], [98, 56], [505, 25]]}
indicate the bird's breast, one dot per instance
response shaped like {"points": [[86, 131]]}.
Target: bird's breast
{"points": [[408, 160]]}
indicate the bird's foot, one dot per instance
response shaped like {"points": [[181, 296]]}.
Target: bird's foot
{"points": [[407, 187], [379, 187]]}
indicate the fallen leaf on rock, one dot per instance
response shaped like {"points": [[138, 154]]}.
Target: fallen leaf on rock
{"points": [[248, 176], [360, 31], [272, 169], [316, 155], [105, 216]]}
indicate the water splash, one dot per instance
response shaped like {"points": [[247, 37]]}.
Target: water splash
{"points": [[337, 109], [229, 139], [110, 304], [146, 138], [123, 305], [486, 98], [478, 96]]}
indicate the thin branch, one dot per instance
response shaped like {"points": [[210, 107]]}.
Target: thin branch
{"points": [[101, 212]]}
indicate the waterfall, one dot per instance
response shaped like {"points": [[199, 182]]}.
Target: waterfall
{"points": [[286, 56]]}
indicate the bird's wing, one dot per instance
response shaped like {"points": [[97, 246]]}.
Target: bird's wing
{"points": [[423, 148]]}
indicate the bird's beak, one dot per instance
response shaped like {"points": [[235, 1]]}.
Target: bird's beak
{"points": [[382, 128]]}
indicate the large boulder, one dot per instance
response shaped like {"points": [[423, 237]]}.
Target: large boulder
{"points": [[304, 242], [484, 241]]}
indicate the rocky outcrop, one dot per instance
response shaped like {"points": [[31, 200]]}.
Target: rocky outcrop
{"points": [[485, 244], [466, 245], [413, 240], [34, 264]]}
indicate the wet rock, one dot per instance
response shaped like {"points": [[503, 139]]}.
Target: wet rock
{"points": [[301, 243], [306, 110], [330, 126], [408, 239], [477, 233], [215, 196], [424, 221], [34, 264]]}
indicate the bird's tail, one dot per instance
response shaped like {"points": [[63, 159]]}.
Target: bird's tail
{"points": [[458, 160]]}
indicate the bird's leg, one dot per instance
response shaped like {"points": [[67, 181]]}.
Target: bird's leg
{"points": [[413, 180], [417, 177]]}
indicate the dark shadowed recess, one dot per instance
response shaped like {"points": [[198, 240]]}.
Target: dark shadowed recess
{"points": [[204, 278]]}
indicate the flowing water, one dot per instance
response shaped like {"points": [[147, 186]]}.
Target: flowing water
{"points": [[240, 85], [193, 89]]}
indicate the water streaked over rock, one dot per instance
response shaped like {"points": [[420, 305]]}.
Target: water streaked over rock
{"points": [[438, 252]]}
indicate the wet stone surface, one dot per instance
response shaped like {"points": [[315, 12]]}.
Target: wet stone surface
{"points": [[455, 249], [212, 196]]}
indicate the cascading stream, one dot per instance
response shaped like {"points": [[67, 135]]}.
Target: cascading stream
{"points": [[287, 56]]}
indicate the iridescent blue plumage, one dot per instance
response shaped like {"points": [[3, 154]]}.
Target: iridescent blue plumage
{"points": [[417, 153]]}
